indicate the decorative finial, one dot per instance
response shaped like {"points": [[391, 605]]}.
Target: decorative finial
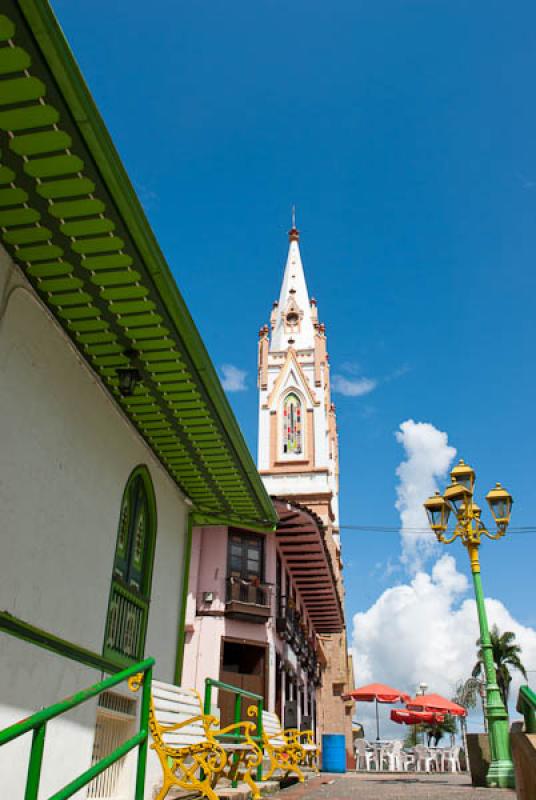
{"points": [[294, 234]]}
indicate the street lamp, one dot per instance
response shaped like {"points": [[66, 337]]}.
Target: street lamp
{"points": [[420, 690], [458, 500]]}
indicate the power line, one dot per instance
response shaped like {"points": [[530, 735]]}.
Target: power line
{"points": [[519, 530]]}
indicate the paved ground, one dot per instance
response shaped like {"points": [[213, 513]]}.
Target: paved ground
{"points": [[362, 786]]}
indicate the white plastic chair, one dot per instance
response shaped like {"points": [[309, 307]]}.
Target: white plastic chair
{"points": [[390, 752], [364, 753], [384, 751], [423, 757], [451, 759], [407, 760]]}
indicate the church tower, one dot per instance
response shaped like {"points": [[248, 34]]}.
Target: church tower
{"points": [[298, 448], [298, 460]]}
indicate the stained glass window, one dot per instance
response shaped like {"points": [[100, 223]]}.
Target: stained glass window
{"points": [[292, 425]]}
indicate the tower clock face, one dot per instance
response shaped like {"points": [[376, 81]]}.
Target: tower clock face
{"points": [[292, 318]]}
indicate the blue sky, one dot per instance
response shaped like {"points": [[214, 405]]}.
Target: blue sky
{"points": [[404, 132]]}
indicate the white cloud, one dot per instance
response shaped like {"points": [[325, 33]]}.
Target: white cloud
{"points": [[428, 458], [234, 379], [426, 628], [357, 385], [397, 373], [352, 387]]}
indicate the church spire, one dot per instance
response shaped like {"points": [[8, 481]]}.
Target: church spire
{"points": [[294, 234], [293, 320]]}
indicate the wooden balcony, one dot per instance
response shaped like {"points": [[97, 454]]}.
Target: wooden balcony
{"points": [[248, 600]]}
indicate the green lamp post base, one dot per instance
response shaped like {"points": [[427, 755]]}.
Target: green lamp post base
{"points": [[501, 775]]}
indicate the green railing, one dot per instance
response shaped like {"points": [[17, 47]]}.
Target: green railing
{"points": [[37, 724], [210, 684], [526, 705]]}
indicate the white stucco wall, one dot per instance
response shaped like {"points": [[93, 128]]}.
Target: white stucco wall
{"points": [[65, 456]]}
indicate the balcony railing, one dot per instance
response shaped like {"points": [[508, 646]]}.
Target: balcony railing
{"points": [[287, 621], [290, 628], [248, 600]]}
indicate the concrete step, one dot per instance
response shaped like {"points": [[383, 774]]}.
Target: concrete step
{"points": [[243, 792], [225, 791]]}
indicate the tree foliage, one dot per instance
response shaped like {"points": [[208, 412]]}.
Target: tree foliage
{"points": [[506, 656], [412, 735], [465, 693]]}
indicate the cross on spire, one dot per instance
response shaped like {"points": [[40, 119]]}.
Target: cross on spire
{"points": [[294, 234]]}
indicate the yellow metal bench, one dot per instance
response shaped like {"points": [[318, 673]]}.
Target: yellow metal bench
{"points": [[187, 745], [306, 740], [288, 750]]}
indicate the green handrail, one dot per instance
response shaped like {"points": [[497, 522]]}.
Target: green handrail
{"points": [[526, 705], [38, 721], [211, 683]]}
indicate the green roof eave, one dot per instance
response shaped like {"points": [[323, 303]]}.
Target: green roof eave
{"points": [[65, 77]]}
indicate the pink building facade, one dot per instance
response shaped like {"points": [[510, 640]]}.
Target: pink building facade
{"points": [[248, 622]]}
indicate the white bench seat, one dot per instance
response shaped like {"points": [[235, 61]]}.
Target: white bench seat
{"points": [[187, 745], [234, 747], [286, 749]]}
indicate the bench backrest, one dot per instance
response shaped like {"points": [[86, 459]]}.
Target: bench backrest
{"points": [[171, 704], [271, 727]]}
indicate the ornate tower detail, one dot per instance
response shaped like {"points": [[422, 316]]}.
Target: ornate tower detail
{"points": [[263, 357], [297, 453]]}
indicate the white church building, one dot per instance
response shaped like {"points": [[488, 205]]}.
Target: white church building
{"points": [[298, 460], [116, 437]]}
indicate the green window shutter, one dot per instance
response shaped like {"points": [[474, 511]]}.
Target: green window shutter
{"points": [[128, 607], [121, 553]]}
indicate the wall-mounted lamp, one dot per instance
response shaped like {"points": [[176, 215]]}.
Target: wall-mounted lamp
{"points": [[129, 377]]}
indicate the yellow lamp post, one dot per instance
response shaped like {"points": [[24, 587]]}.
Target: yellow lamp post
{"points": [[458, 500]]}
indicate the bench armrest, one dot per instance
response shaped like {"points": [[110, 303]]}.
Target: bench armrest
{"points": [[278, 735], [295, 735], [247, 726], [206, 719]]}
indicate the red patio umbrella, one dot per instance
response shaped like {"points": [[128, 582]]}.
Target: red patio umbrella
{"points": [[403, 716], [378, 693], [434, 702]]}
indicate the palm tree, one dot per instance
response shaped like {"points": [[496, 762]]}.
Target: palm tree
{"points": [[505, 656], [437, 730], [465, 695], [412, 736]]}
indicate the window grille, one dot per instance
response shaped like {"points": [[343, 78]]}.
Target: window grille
{"points": [[116, 718]]}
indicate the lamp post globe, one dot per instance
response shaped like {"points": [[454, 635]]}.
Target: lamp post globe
{"points": [[458, 495], [464, 474], [500, 503], [438, 511]]}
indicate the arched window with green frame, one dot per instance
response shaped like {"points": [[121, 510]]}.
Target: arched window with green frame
{"points": [[128, 608]]}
